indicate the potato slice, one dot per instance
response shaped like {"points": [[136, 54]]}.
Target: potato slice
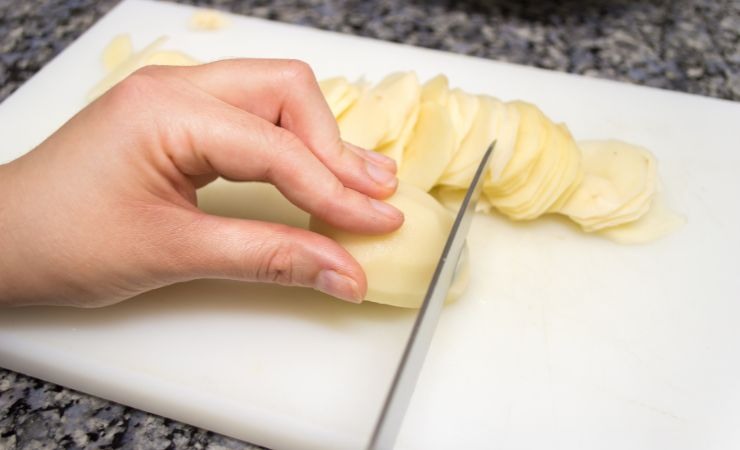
{"points": [[117, 51], [657, 223], [463, 108], [452, 198], [151, 54], [506, 138], [169, 58], [430, 148], [339, 94], [572, 173], [531, 133], [460, 171], [396, 148], [527, 203], [618, 179], [379, 115], [436, 90], [399, 265]]}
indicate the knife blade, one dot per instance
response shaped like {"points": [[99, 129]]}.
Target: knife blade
{"points": [[402, 388]]}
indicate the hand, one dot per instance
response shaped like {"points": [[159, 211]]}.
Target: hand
{"points": [[106, 207]]}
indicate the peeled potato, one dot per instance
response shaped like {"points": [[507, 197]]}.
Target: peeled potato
{"points": [[430, 148], [151, 54], [462, 167], [619, 180], [379, 115], [657, 222], [339, 93], [169, 58], [436, 90], [395, 148], [452, 198], [117, 51], [463, 109], [399, 265]]}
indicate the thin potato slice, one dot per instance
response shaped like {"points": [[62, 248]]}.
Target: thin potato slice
{"points": [[452, 198], [572, 173], [395, 149], [379, 115], [169, 58], [436, 90], [117, 51], [656, 223], [339, 93], [524, 203], [460, 171], [463, 109], [616, 175], [529, 138], [430, 148]]}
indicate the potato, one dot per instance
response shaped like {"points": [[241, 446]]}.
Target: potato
{"points": [[430, 148], [658, 221], [395, 149], [117, 51], [459, 173], [619, 180], [399, 265], [339, 93], [147, 56], [379, 115], [463, 108]]}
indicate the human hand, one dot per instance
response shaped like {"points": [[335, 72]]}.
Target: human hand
{"points": [[106, 207]]}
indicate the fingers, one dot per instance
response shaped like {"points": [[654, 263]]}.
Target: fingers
{"points": [[286, 93], [209, 136], [245, 250]]}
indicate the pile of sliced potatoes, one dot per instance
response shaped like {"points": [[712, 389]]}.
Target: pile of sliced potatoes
{"points": [[438, 135]]}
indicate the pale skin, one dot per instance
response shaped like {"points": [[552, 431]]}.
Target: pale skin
{"points": [[106, 208]]}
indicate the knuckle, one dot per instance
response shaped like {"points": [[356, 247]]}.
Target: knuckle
{"points": [[298, 71], [277, 264]]}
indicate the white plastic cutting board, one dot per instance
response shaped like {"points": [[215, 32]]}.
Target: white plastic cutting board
{"points": [[563, 341]]}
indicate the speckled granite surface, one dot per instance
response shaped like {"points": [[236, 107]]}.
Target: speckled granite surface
{"points": [[685, 45]]}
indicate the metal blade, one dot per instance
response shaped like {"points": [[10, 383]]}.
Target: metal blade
{"points": [[399, 395]]}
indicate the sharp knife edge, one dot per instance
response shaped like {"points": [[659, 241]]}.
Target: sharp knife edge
{"points": [[402, 388]]}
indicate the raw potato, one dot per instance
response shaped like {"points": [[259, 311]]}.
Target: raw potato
{"points": [[117, 51], [658, 222], [147, 56], [619, 182], [339, 93], [379, 115], [432, 141], [459, 173], [399, 265], [438, 135], [208, 20]]}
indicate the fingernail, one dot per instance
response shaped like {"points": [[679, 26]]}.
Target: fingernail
{"points": [[335, 284], [380, 158], [385, 208], [381, 175]]}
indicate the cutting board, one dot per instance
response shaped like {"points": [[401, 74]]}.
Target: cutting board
{"points": [[562, 341]]}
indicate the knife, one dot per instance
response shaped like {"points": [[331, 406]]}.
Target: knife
{"points": [[404, 381]]}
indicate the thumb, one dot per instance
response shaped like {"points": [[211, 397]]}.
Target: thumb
{"points": [[249, 250]]}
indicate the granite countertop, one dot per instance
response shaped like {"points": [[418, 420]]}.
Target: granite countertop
{"points": [[684, 45]]}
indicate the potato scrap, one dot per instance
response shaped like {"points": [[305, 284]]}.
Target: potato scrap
{"points": [[118, 51], [208, 20]]}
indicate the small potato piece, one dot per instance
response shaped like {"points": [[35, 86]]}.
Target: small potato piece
{"points": [[399, 265], [208, 20], [117, 51], [379, 115]]}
